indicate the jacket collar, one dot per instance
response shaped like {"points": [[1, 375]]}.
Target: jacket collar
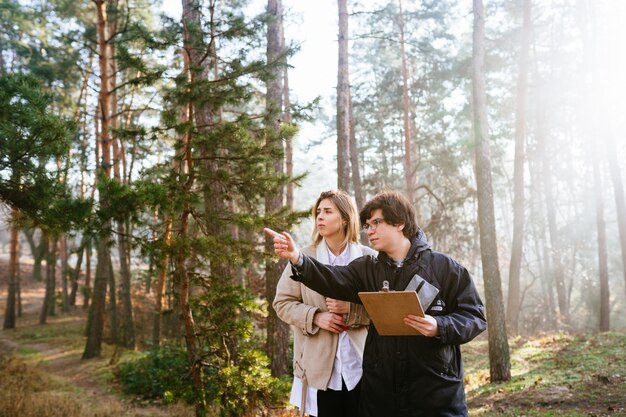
{"points": [[419, 244]]}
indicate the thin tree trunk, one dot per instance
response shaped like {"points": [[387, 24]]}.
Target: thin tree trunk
{"points": [[289, 141], [95, 322], [38, 251], [343, 98], [10, 308], [65, 306], [354, 161], [513, 306], [75, 277], [127, 326], [160, 287], [48, 308], [19, 285], [499, 360], [620, 201], [603, 267], [192, 55], [409, 178], [87, 288], [277, 330], [115, 328], [595, 140], [97, 309], [555, 248]]}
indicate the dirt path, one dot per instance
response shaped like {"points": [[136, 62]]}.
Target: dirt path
{"points": [[63, 363]]}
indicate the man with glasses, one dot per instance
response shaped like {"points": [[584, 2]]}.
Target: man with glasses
{"points": [[402, 375]]}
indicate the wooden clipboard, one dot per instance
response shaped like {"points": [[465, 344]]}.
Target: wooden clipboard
{"points": [[388, 308]]}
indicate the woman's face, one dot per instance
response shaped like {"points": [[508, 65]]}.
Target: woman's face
{"points": [[328, 220]]}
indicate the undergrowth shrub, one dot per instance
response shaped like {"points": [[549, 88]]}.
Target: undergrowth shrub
{"points": [[236, 389], [158, 373]]}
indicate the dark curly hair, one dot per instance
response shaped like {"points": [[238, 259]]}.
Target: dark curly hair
{"points": [[397, 210]]}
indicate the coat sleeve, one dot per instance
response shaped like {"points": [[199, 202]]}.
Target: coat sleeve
{"points": [[290, 307], [339, 282], [465, 317], [357, 316]]}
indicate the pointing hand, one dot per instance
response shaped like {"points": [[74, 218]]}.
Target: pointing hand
{"points": [[284, 246]]}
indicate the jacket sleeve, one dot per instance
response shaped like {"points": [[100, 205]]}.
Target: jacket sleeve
{"points": [[357, 316], [339, 282], [466, 313], [290, 307]]}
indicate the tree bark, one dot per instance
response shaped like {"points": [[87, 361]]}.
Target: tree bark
{"points": [[48, 308], [11, 303], [513, 306], [595, 141], [160, 287], [39, 252], [409, 177], [65, 296], [603, 267], [75, 272], [277, 330], [95, 321], [499, 360], [193, 56], [343, 98], [620, 201], [354, 162], [289, 142]]}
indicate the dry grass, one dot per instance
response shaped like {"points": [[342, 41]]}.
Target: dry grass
{"points": [[28, 392]]}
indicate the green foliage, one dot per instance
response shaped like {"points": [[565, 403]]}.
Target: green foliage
{"points": [[163, 373], [158, 373], [32, 139]]}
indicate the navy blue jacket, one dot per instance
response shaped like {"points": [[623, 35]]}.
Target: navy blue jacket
{"points": [[409, 376]]}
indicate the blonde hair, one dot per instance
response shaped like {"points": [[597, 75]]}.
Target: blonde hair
{"points": [[349, 216]]}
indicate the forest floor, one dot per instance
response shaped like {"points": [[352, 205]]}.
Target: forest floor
{"points": [[42, 374]]}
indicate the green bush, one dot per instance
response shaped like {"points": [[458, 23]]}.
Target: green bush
{"points": [[158, 373], [164, 374]]}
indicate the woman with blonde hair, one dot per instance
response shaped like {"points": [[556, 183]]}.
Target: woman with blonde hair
{"points": [[329, 335]]}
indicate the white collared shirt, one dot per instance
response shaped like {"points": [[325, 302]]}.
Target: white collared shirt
{"points": [[347, 363]]}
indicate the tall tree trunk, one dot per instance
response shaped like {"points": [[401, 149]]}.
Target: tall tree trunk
{"points": [[603, 267], [160, 287], [499, 360], [620, 201], [127, 338], [409, 177], [555, 247], [193, 54], [87, 289], [287, 119], [115, 328], [48, 308], [594, 138], [127, 329], [277, 330], [75, 272], [10, 308], [513, 306], [354, 162], [65, 306], [95, 322], [343, 99], [38, 251]]}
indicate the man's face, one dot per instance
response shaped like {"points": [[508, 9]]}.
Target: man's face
{"points": [[382, 236]]}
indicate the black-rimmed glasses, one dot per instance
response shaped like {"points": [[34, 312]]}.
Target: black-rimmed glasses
{"points": [[373, 225]]}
